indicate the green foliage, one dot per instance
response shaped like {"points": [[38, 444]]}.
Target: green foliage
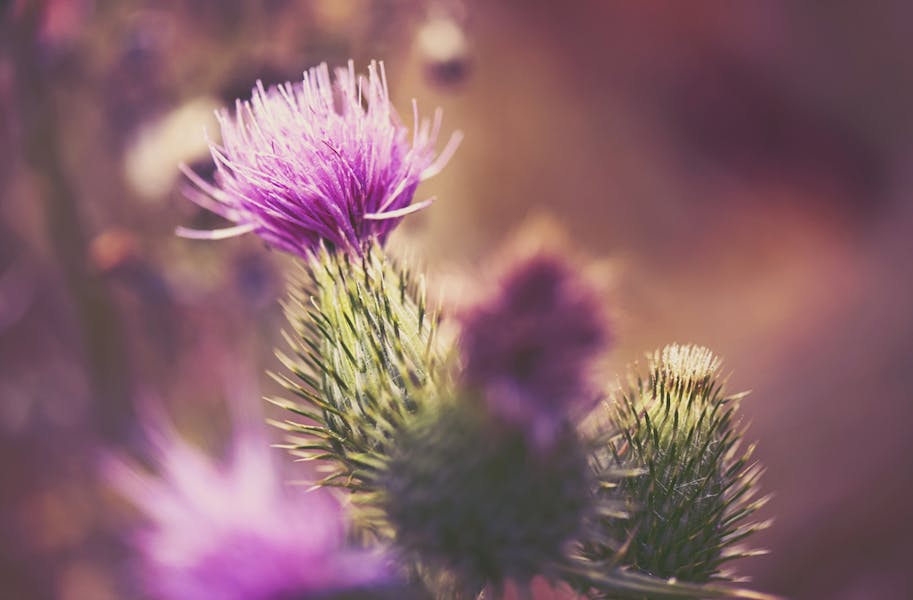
{"points": [[692, 504], [365, 354]]}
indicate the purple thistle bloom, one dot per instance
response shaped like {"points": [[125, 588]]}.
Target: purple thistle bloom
{"points": [[529, 348], [232, 531], [319, 161]]}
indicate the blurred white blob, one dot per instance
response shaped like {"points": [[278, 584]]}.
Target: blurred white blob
{"points": [[444, 49], [151, 161]]}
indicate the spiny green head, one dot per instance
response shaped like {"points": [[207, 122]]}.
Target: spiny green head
{"points": [[366, 351], [691, 505], [471, 497]]}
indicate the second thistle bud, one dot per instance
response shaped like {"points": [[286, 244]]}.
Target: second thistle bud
{"points": [[474, 499]]}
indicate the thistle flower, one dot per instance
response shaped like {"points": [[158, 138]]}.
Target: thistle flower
{"points": [[231, 531], [319, 161], [529, 348]]}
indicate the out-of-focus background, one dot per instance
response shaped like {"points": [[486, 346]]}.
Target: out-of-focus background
{"points": [[745, 167]]}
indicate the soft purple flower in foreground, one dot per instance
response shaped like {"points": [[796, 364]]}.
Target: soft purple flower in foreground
{"points": [[319, 161], [530, 347], [232, 531]]}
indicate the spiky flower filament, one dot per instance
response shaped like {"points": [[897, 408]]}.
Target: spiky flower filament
{"points": [[321, 161]]}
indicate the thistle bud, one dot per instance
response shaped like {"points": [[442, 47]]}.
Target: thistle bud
{"points": [[693, 502], [473, 498]]}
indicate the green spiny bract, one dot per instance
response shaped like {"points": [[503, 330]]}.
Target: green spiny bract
{"points": [[471, 497], [692, 504], [366, 351]]}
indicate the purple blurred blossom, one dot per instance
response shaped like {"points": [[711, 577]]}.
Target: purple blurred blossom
{"points": [[530, 347], [233, 531], [319, 161]]}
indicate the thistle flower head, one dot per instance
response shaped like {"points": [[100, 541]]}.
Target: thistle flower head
{"points": [[231, 531], [323, 160], [530, 347]]}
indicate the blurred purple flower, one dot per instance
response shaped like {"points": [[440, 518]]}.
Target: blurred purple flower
{"points": [[232, 531], [529, 348], [319, 161]]}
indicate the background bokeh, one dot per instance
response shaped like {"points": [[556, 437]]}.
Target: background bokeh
{"points": [[745, 168]]}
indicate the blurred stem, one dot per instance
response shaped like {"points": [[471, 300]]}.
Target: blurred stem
{"points": [[104, 355]]}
